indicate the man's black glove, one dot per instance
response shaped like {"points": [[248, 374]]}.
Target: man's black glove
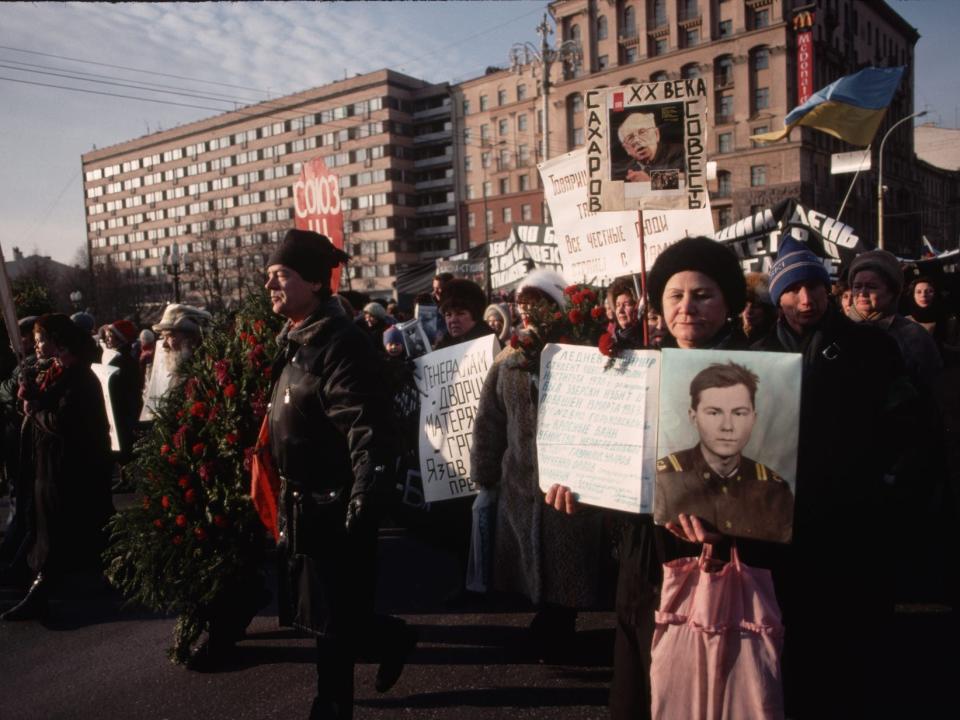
{"points": [[359, 513]]}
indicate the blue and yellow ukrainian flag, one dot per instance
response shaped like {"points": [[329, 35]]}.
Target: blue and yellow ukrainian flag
{"points": [[850, 108]]}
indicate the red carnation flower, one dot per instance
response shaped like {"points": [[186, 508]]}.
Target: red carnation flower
{"points": [[158, 523], [198, 449], [243, 334], [251, 339], [258, 326], [184, 481], [606, 344], [190, 496], [181, 520], [230, 390], [206, 471], [576, 298], [575, 316], [231, 438], [164, 449], [514, 342], [222, 370], [570, 290], [165, 502], [220, 521], [597, 313], [198, 410], [172, 459], [589, 294], [176, 539], [179, 437], [200, 534], [268, 372]]}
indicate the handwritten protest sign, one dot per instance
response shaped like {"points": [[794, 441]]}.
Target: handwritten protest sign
{"points": [[511, 259], [597, 427], [103, 373], [450, 381], [646, 146], [600, 246]]}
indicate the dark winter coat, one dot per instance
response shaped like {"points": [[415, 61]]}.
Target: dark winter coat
{"points": [[481, 329], [331, 441], [125, 396], [66, 445], [539, 552]]}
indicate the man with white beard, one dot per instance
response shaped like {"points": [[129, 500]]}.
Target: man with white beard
{"points": [[179, 332]]}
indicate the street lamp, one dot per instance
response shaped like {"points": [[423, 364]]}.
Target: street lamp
{"points": [[173, 265], [568, 52], [486, 145], [893, 127]]}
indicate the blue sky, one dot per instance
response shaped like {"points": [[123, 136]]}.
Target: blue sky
{"points": [[260, 50]]}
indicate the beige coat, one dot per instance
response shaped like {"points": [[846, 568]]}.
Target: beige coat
{"points": [[543, 554]]}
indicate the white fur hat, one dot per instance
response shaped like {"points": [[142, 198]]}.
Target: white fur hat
{"points": [[549, 282]]}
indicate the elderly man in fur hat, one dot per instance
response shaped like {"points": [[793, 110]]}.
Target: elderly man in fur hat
{"points": [[331, 441]]}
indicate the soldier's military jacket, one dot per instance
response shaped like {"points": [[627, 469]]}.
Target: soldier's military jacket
{"points": [[753, 502]]}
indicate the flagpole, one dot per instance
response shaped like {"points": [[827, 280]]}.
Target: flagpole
{"points": [[866, 154]]}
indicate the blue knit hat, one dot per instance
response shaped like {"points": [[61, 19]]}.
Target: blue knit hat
{"points": [[392, 335], [795, 263]]}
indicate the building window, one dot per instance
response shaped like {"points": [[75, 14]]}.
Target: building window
{"points": [[488, 218], [483, 103], [501, 97], [630, 55], [485, 160], [471, 220], [504, 186], [575, 120], [523, 154], [659, 13], [469, 192], [758, 175], [690, 71], [725, 142], [629, 28], [602, 28], [526, 213], [524, 183], [724, 217], [658, 46], [467, 163], [487, 188], [522, 122], [761, 98], [521, 92], [603, 62], [504, 159], [503, 126], [761, 18], [691, 37], [761, 58], [758, 130], [725, 107], [724, 183], [688, 9], [726, 28], [659, 76], [508, 215], [484, 132], [723, 71]]}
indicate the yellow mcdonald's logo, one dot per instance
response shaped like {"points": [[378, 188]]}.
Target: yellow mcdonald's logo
{"points": [[803, 20]]}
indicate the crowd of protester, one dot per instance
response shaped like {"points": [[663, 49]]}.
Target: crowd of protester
{"points": [[882, 344]]}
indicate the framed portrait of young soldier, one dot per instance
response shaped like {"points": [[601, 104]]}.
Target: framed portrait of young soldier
{"points": [[727, 441]]}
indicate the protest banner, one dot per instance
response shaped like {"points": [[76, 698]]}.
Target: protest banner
{"points": [[316, 206], [450, 381], [9, 309], [597, 247], [756, 239], [527, 248], [597, 425], [646, 146], [103, 373], [473, 270]]}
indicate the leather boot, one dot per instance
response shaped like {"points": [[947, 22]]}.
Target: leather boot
{"points": [[33, 605]]}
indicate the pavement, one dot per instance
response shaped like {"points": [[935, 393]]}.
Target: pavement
{"points": [[94, 657]]}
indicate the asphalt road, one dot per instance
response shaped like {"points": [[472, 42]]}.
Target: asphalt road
{"points": [[95, 658]]}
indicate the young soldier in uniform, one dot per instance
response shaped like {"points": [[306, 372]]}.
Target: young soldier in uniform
{"points": [[714, 480]]}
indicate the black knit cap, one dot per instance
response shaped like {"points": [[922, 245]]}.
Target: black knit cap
{"points": [[311, 254], [703, 255], [460, 294]]}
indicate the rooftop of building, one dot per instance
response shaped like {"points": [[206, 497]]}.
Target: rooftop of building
{"points": [[937, 146]]}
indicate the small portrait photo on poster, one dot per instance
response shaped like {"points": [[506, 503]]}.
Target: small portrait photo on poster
{"points": [[415, 340], [646, 145], [727, 441]]}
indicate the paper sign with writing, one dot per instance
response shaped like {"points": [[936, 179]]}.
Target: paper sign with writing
{"points": [[646, 146], [597, 425], [103, 373], [600, 246], [450, 381]]}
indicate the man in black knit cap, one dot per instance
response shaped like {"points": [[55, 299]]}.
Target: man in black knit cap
{"points": [[331, 441]]}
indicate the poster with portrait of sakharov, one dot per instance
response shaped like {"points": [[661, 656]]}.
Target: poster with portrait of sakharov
{"points": [[646, 146]]}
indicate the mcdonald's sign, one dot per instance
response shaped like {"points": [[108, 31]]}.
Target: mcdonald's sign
{"points": [[803, 26]]}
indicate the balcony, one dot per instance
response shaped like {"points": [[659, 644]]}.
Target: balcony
{"points": [[439, 184], [433, 162], [434, 112], [434, 137], [444, 207], [435, 231]]}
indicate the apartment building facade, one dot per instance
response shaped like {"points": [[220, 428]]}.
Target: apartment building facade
{"points": [[221, 188], [748, 52]]}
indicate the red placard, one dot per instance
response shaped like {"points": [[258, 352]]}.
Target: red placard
{"points": [[804, 67], [316, 206]]}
